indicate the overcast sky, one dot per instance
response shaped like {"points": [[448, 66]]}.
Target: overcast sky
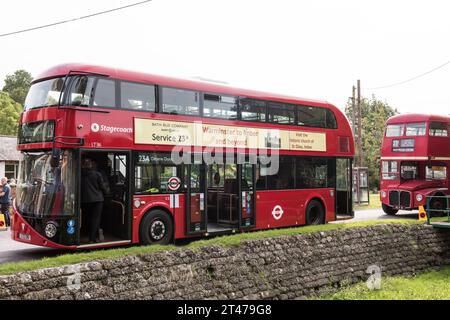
{"points": [[313, 49]]}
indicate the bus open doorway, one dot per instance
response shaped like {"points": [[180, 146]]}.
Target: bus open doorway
{"points": [[115, 219]]}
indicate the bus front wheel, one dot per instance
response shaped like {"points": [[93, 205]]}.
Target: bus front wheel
{"points": [[389, 210], [156, 228], [315, 213]]}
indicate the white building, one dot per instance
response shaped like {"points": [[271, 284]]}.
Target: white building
{"points": [[9, 157]]}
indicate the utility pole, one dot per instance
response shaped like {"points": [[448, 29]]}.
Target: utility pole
{"points": [[358, 102], [354, 111]]}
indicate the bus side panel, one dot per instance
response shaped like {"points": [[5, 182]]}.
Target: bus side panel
{"points": [[293, 205], [278, 208]]}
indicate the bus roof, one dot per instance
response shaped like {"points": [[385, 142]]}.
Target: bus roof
{"points": [[417, 117], [64, 69]]}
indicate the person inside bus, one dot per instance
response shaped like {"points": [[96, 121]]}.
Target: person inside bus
{"points": [[93, 193]]}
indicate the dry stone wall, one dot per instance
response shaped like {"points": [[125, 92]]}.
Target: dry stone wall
{"points": [[288, 267]]}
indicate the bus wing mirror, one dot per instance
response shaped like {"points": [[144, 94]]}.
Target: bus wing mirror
{"points": [[56, 155]]}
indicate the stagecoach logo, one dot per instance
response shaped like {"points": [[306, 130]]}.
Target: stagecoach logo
{"points": [[277, 212], [95, 127]]}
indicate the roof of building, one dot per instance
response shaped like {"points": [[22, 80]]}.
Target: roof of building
{"points": [[8, 151]]}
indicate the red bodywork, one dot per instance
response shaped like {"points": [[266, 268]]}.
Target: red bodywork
{"points": [[76, 123], [428, 151]]}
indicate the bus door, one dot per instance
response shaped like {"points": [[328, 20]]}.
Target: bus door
{"points": [[344, 187], [115, 222], [247, 199], [195, 198]]}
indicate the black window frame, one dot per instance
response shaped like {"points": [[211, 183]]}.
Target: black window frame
{"points": [[203, 93], [294, 110], [161, 97], [116, 93], [328, 112], [119, 95], [266, 102]]}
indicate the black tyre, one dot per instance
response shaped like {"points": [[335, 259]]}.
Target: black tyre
{"points": [[315, 213], [389, 210], [156, 227], [437, 207]]}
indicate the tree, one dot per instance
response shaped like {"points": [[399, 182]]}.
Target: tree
{"points": [[17, 85], [374, 114], [9, 114]]}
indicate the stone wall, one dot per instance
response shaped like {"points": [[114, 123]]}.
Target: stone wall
{"points": [[286, 267]]}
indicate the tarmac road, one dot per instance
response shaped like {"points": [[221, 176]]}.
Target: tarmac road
{"points": [[11, 251], [16, 251]]}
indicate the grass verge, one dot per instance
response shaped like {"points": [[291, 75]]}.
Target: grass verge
{"points": [[433, 285], [229, 240], [374, 203]]}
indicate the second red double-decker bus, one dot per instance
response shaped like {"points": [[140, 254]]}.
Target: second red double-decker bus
{"points": [[415, 160], [178, 158]]}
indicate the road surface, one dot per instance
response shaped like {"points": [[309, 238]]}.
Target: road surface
{"points": [[16, 251], [11, 251]]}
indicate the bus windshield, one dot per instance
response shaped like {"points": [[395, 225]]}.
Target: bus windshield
{"points": [[44, 94], [44, 190]]}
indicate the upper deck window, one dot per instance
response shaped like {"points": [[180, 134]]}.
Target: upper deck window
{"points": [[281, 113], [177, 101], [218, 106], [44, 94], [81, 91], [105, 93], [394, 130], [415, 129], [438, 129], [137, 96], [252, 110], [316, 117]]}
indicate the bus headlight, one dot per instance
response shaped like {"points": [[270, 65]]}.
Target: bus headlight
{"points": [[419, 197], [383, 194], [51, 229]]}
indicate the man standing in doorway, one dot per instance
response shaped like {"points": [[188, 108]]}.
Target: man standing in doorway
{"points": [[92, 197], [5, 200]]}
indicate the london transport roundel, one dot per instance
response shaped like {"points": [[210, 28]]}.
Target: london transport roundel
{"points": [[277, 212], [173, 183]]}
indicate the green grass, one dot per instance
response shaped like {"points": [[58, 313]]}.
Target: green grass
{"points": [[433, 285], [230, 240], [374, 203]]}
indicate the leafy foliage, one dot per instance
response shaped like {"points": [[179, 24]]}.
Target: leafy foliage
{"points": [[9, 114], [17, 85], [374, 114]]}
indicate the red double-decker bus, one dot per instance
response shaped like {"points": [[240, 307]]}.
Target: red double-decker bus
{"points": [[415, 160], [178, 159]]}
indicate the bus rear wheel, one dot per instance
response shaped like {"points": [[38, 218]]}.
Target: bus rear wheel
{"points": [[315, 213], [389, 210], [156, 228]]}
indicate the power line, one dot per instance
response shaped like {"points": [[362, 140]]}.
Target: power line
{"points": [[410, 79], [74, 19]]}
